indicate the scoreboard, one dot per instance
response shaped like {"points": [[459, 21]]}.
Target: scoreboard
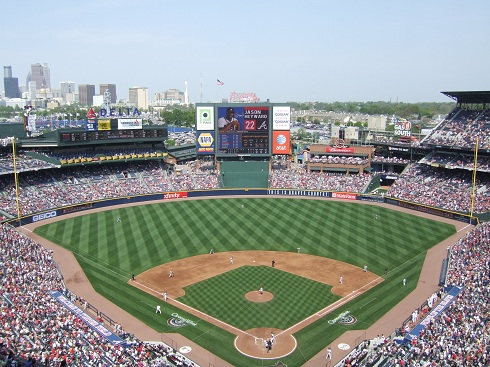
{"points": [[243, 130], [101, 135]]}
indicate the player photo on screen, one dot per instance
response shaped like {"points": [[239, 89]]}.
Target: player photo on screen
{"points": [[228, 118]]}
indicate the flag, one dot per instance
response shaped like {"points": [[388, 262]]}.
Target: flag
{"points": [[219, 82]]}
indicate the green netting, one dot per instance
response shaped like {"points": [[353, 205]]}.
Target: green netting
{"points": [[245, 174]]}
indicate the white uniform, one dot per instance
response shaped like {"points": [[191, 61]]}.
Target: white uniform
{"points": [[158, 309]]}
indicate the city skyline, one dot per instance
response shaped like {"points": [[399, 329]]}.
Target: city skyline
{"points": [[283, 51]]}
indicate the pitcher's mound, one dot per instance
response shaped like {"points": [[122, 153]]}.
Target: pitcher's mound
{"points": [[255, 296]]}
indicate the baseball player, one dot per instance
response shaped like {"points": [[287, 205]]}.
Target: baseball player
{"points": [[158, 310]]}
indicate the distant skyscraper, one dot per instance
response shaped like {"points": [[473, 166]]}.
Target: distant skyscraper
{"points": [[7, 71], [47, 76], [67, 91], [11, 84], [112, 90], [41, 75], [31, 89], [139, 97], [86, 93]]}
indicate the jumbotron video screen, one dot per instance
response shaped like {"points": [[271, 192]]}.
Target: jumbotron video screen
{"points": [[243, 130]]}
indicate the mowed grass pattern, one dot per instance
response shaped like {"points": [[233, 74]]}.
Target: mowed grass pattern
{"points": [[290, 304], [151, 234]]}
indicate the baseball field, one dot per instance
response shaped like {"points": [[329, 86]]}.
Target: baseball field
{"points": [[220, 298]]}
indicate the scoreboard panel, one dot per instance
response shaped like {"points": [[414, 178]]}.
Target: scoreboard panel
{"points": [[101, 135], [243, 130]]}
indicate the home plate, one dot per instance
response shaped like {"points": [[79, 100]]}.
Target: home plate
{"points": [[185, 349]]}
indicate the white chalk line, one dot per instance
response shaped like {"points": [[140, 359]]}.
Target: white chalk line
{"points": [[183, 306], [333, 306]]}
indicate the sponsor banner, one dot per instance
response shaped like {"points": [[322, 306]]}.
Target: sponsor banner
{"points": [[175, 195], [434, 313], [372, 198], [43, 216], [129, 124], [344, 195], [281, 117], [77, 208], [403, 128], [205, 142], [104, 124], [91, 125], [205, 118], [281, 142], [398, 149], [94, 325], [287, 192], [389, 177], [338, 150]]}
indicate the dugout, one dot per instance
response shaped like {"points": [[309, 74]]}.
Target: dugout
{"points": [[244, 174]]}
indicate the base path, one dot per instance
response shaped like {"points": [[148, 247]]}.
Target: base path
{"points": [[247, 341]]}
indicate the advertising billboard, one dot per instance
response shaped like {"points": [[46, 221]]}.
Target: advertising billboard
{"points": [[281, 142], [205, 118], [281, 117]]}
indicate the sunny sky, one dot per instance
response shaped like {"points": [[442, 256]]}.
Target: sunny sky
{"points": [[312, 50]]}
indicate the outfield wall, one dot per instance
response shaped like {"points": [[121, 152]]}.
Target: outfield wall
{"points": [[348, 196]]}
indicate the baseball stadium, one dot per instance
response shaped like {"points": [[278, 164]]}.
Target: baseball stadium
{"points": [[240, 249]]}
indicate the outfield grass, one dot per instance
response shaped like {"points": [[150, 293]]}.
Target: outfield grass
{"points": [[152, 234]]}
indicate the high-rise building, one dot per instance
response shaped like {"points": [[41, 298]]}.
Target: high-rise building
{"points": [[41, 75], [138, 96], [67, 91], [11, 84], [47, 76], [31, 90], [86, 93], [111, 88]]}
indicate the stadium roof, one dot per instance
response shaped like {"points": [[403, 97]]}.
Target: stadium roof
{"points": [[469, 97]]}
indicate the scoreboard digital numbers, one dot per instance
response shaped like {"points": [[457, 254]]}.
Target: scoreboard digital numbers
{"points": [[243, 130], [84, 136]]}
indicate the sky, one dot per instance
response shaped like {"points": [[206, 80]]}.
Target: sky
{"points": [[284, 51]]}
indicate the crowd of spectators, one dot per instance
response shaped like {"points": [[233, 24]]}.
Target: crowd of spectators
{"points": [[394, 160], [442, 188], [460, 335], [461, 130], [23, 163], [85, 154], [339, 160], [38, 330], [44, 190], [298, 178], [457, 161]]}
